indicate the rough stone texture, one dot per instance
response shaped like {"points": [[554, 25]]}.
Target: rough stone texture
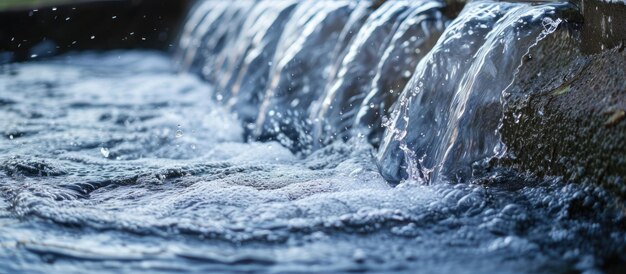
{"points": [[576, 128], [152, 24], [573, 124], [605, 24]]}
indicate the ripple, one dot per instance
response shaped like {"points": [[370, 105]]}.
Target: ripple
{"points": [[207, 201]]}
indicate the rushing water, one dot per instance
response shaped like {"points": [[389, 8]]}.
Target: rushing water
{"points": [[118, 162], [449, 115], [114, 162]]}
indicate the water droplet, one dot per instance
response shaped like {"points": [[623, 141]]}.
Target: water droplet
{"points": [[517, 117], [105, 152], [179, 132], [11, 137], [359, 256], [372, 105], [401, 134], [550, 25]]}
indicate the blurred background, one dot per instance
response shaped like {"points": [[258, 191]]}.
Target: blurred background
{"points": [[31, 29]]}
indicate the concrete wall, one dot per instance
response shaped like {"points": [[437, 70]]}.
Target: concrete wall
{"points": [[574, 123]]}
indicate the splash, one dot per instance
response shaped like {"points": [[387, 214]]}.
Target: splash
{"points": [[186, 187], [453, 105], [313, 73]]}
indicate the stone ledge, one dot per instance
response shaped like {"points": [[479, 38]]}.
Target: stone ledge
{"points": [[576, 130]]}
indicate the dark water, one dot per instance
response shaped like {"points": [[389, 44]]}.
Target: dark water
{"points": [[115, 163]]}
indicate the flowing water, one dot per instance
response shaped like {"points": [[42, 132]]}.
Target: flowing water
{"points": [[260, 148]]}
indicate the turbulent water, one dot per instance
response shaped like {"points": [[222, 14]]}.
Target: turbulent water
{"points": [[427, 89], [114, 163], [261, 155]]}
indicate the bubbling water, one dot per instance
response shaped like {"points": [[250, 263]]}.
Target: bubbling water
{"points": [[119, 163]]}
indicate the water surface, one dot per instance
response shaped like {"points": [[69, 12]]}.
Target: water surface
{"points": [[114, 163]]}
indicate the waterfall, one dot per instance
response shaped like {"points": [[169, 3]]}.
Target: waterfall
{"points": [[380, 61], [300, 71], [205, 35], [448, 116], [426, 90]]}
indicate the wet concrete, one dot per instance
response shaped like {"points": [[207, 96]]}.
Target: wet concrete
{"points": [[605, 24], [574, 126], [573, 123]]}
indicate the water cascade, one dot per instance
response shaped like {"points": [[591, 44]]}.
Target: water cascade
{"points": [[449, 116], [310, 73], [381, 59], [306, 136], [300, 69]]}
